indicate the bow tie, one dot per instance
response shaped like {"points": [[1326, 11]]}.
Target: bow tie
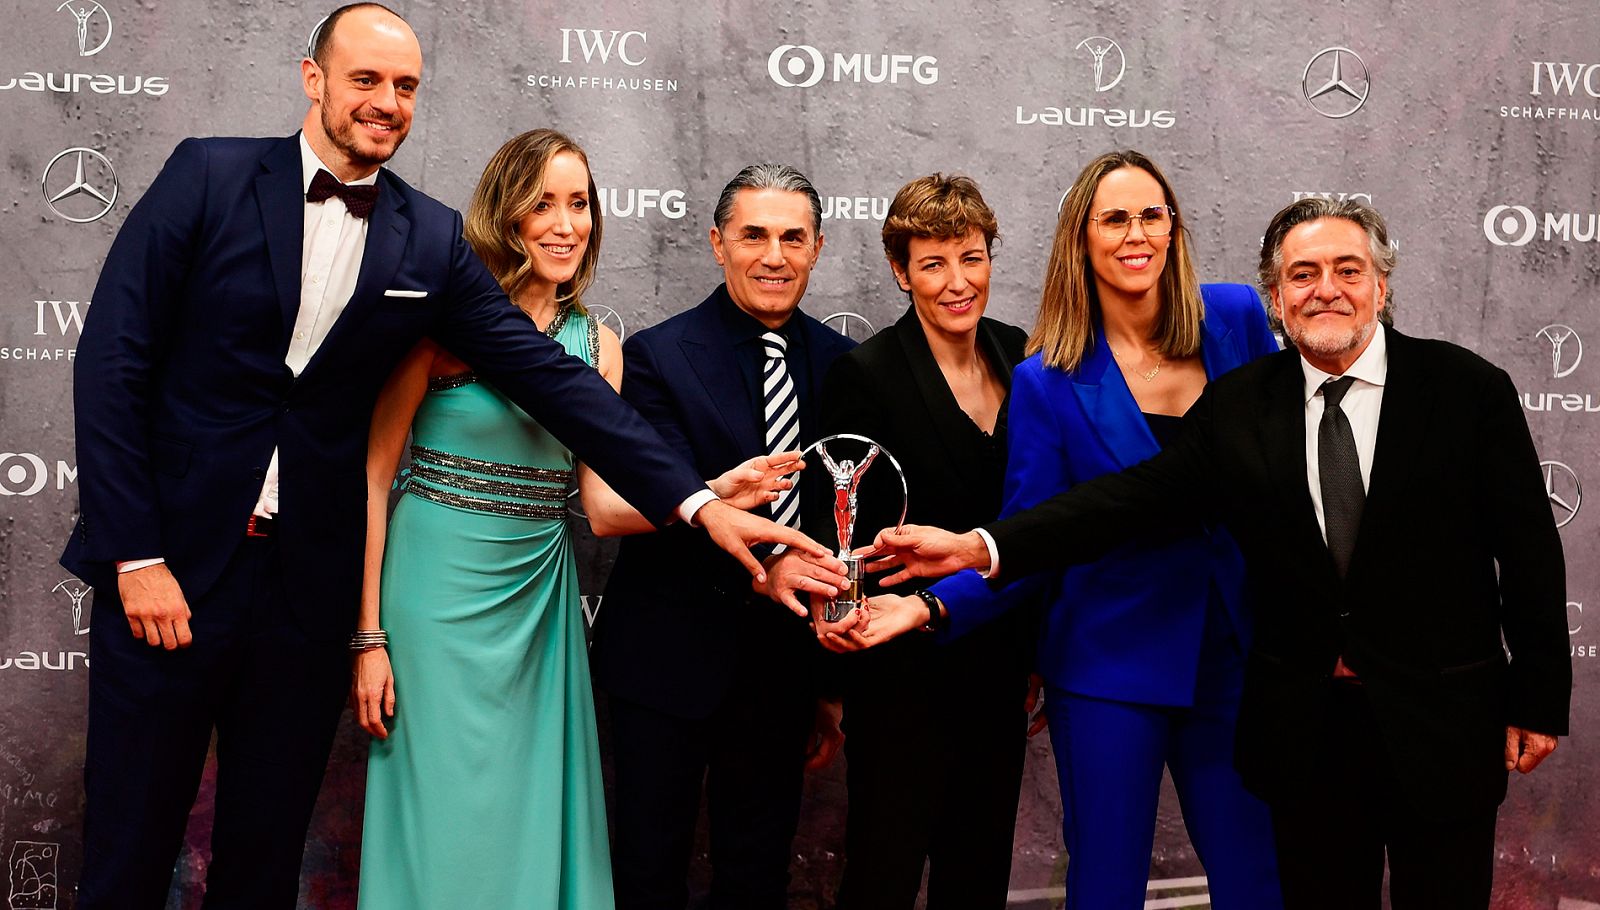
{"points": [[357, 199]]}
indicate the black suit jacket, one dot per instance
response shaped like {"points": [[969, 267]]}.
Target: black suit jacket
{"points": [[890, 390], [181, 392], [1455, 492], [680, 624]]}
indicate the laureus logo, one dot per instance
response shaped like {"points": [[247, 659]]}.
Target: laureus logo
{"points": [[1566, 349], [1335, 82], [93, 25], [75, 593], [1107, 56]]}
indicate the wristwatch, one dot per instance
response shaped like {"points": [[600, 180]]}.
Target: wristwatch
{"points": [[937, 619]]}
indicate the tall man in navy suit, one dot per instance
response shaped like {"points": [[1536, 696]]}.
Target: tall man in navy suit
{"points": [[710, 684], [246, 316]]}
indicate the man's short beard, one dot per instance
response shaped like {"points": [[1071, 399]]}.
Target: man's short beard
{"points": [[1330, 347], [344, 140]]}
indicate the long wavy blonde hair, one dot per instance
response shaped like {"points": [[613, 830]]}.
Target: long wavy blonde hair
{"points": [[512, 182]]}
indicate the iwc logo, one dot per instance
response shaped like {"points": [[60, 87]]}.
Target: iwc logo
{"points": [[1561, 487], [79, 185], [1335, 82]]}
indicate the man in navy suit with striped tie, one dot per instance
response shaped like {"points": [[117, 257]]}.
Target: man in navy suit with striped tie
{"points": [[710, 683]]}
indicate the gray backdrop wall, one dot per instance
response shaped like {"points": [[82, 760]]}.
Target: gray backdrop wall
{"points": [[1472, 126]]}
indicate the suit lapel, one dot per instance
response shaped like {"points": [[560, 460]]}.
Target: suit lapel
{"points": [[709, 349], [1283, 437], [951, 425], [387, 231], [282, 201], [1216, 347], [1113, 413]]}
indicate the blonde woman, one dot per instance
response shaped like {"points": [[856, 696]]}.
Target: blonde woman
{"points": [[483, 782]]}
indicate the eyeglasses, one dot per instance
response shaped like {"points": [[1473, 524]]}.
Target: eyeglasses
{"points": [[1156, 220]]}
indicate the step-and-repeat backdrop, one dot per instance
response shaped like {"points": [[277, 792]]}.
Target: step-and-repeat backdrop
{"points": [[1475, 129]]}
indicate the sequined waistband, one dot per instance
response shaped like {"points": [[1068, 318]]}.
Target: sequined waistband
{"points": [[437, 476]]}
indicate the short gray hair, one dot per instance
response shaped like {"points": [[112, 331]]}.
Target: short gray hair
{"points": [[768, 177], [1269, 273]]}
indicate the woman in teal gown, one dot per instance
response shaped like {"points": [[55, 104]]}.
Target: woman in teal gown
{"points": [[483, 781]]}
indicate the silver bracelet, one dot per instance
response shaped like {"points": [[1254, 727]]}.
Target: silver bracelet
{"points": [[369, 640]]}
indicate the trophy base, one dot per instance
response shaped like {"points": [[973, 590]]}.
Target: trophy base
{"points": [[851, 597]]}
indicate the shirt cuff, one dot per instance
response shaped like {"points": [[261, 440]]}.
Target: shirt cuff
{"points": [[994, 554], [133, 564], [692, 505]]}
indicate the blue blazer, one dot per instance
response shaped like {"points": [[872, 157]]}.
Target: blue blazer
{"points": [[1129, 626], [679, 616], [181, 392]]}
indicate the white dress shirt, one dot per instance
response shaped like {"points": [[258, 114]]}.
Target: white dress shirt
{"points": [[330, 261], [1361, 405]]}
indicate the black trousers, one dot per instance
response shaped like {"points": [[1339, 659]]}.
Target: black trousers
{"points": [[934, 775], [273, 696], [749, 756], [1332, 843]]}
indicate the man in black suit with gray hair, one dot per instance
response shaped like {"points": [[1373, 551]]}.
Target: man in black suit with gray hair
{"points": [[1409, 587]]}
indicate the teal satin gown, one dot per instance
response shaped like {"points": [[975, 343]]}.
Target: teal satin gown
{"points": [[487, 793]]}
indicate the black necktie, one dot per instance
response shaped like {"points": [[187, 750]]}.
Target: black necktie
{"points": [[1339, 471], [357, 199]]}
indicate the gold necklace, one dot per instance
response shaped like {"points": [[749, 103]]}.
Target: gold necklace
{"points": [[1154, 371]]}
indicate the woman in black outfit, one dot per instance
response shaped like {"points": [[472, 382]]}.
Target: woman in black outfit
{"points": [[934, 734]]}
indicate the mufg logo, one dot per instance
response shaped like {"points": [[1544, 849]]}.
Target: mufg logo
{"points": [[1517, 225], [802, 66]]}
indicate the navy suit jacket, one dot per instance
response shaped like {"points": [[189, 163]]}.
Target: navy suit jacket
{"points": [[1128, 626], [1457, 561], [181, 392], [680, 621]]}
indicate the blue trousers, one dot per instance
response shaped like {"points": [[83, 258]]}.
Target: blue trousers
{"points": [[1109, 757]]}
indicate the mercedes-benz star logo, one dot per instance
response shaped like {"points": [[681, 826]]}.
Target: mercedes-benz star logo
{"points": [[87, 14], [1100, 48], [1565, 348], [841, 322], [75, 591], [1339, 90], [91, 171], [1561, 487]]}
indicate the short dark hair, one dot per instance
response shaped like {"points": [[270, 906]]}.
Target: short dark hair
{"points": [[322, 34], [768, 177]]}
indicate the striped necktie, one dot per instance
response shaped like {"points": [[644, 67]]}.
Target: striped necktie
{"points": [[782, 411]]}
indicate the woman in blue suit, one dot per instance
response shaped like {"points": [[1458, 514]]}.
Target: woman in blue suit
{"points": [[1142, 652]]}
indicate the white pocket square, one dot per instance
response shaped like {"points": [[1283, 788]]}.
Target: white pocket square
{"points": [[394, 293]]}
